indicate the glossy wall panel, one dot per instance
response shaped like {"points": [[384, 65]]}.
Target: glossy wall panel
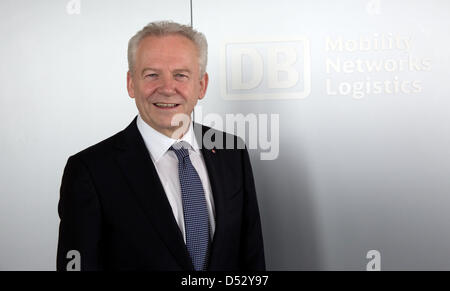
{"points": [[361, 91], [63, 88], [346, 105]]}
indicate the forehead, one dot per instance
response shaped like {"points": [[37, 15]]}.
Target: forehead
{"points": [[170, 48]]}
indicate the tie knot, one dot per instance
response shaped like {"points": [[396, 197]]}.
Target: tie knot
{"points": [[181, 149]]}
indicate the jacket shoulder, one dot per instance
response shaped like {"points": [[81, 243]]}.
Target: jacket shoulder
{"points": [[98, 150]]}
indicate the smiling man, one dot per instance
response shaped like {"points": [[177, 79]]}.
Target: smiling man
{"points": [[165, 78], [154, 196]]}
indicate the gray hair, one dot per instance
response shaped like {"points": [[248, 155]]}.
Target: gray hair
{"points": [[164, 28]]}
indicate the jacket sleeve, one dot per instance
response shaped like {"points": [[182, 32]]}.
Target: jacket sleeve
{"points": [[80, 214], [252, 256]]}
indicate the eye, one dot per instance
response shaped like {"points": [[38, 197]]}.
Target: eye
{"points": [[181, 76], [152, 75]]}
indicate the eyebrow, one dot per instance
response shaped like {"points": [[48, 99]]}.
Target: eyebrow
{"points": [[175, 71], [149, 69], [182, 70]]}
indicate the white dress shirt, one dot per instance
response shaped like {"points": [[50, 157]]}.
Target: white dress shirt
{"points": [[166, 164]]}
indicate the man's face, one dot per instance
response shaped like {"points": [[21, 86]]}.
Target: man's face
{"points": [[166, 80]]}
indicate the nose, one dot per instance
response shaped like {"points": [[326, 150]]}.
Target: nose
{"points": [[167, 87]]}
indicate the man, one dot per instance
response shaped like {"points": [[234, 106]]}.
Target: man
{"points": [[153, 196]]}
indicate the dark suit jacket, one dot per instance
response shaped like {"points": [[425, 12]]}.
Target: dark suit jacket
{"points": [[114, 210]]}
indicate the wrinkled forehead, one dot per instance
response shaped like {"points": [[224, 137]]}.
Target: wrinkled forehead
{"points": [[167, 52], [171, 43]]}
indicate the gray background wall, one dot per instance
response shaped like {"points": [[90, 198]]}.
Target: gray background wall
{"points": [[352, 174]]}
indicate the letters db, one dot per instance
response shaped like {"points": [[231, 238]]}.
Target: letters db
{"points": [[270, 69]]}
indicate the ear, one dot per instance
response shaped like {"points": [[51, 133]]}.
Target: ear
{"points": [[130, 85], [203, 85]]}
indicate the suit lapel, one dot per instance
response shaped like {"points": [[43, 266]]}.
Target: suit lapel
{"points": [[213, 161], [139, 170]]}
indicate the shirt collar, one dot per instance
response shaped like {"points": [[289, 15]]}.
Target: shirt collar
{"points": [[158, 144]]}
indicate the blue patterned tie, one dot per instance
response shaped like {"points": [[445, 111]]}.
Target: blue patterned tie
{"points": [[195, 212]]}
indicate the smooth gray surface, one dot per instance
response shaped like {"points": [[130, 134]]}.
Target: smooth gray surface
{"points": [[63, 89], [352, 175]]}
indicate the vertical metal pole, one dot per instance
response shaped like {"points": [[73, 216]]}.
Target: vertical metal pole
{"points": [[192, 23]]}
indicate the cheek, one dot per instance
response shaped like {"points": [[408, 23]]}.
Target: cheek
{"points": [[192, 93], [146, 92]]}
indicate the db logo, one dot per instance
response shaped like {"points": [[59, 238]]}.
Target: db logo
{"points": [[266, 69]]}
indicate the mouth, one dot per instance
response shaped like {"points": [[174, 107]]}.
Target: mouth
{"points": [[166, 106]]}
